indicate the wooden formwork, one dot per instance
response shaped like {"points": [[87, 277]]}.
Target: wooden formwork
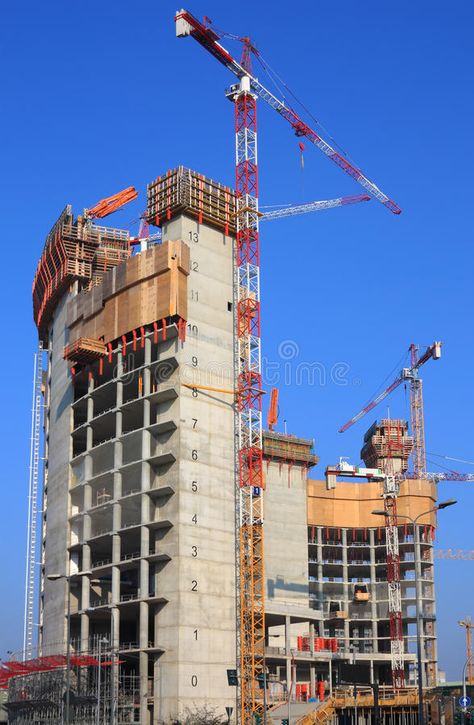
{"points": [[75, 249], [387, 439], [278, 446], [187, 192]]}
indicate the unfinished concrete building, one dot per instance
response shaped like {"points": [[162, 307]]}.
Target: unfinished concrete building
{"points": [[139, 493]]}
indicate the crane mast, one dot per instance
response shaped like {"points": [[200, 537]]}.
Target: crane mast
{"points": [[390, 494], [248, 373]]}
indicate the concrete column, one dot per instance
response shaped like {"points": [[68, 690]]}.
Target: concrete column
{"points": [[86, 558], [373, 587], [311, 638], [118, 423], [144, 541], [312, 680], [345, 578], [119, 394], [90, 414], [319, 555], [115, 585], [88, 497], [86, 524], [89, 438], [147, 354], [117, 482], [146, 475], [115, 548], [88, 468], [143, 625], [143, 665], [90, 408], [116, 516], [146, 444], [144, 574], [84, 632], [118, 457]]}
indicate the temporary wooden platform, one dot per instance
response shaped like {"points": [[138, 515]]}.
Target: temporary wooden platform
{"points": [[85, 350]]}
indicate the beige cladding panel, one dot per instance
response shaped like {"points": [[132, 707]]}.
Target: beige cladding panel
{"points": [[350, 504], [149, 286]]}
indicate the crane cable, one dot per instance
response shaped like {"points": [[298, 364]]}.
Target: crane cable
{"points": [[270, 71]]}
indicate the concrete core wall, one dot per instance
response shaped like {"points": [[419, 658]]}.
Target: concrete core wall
{"points": [[55, 502], [286, 538]]}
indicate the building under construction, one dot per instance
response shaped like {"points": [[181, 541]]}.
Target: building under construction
{"points": [[141, 549]]}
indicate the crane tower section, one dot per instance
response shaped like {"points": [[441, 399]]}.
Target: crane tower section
{"points": [[249, 402]]}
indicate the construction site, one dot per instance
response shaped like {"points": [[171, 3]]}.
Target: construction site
{"points": [[190, 560]]}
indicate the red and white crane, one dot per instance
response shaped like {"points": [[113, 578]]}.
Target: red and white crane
{"points": [[410, 374], [247, 355], [390, 493]]}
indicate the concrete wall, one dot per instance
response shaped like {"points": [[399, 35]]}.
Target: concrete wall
{"points": [[197, 626], [55, 505], [286, 534]]}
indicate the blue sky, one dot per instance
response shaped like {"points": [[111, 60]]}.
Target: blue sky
{"points": [[98, 96]]}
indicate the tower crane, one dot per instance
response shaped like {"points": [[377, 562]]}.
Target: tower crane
{"points": [[390, 493], [416, 402], [247, 356]]}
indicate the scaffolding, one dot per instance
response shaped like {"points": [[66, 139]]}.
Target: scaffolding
{"points": [[30, 568], [386, 439], [75, 249], [102, 689]]}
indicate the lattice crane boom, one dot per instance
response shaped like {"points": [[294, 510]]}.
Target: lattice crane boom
{"points": [[410, 374], [442, 476], [310, 206], [186, 24]]}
